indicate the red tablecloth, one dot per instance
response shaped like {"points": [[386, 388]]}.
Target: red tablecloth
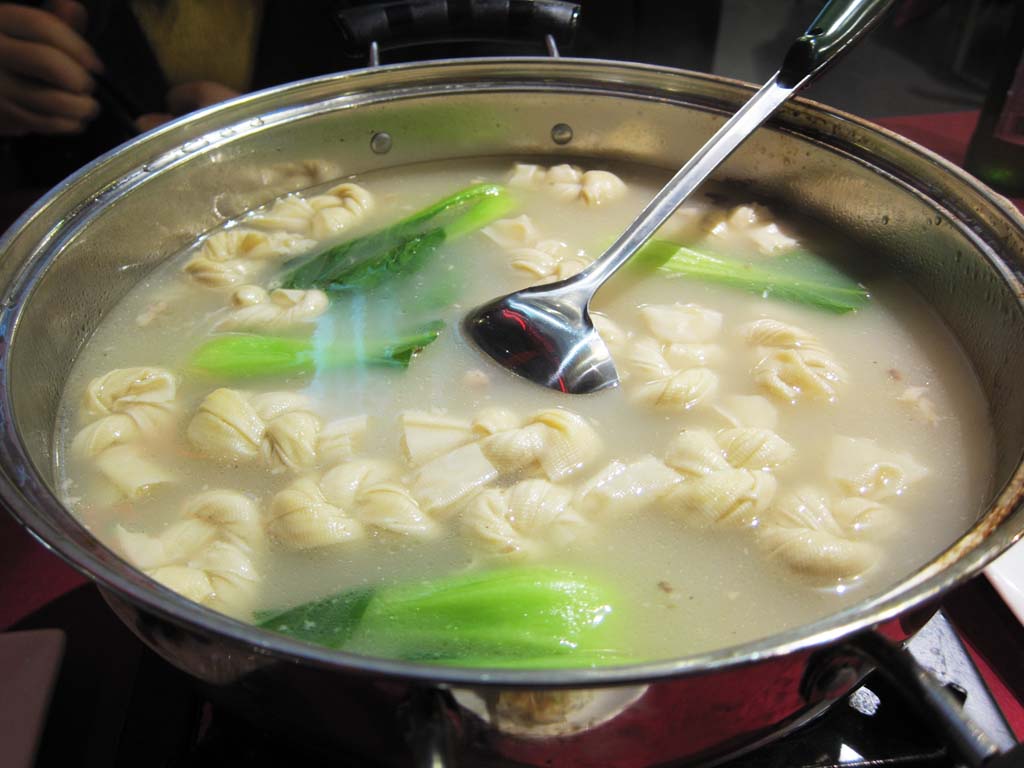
{"points": [[30, 576]]}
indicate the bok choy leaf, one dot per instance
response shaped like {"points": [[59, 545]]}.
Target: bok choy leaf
{"points": [[513, 617], [246, 356], [404, 247], [797, 276]]}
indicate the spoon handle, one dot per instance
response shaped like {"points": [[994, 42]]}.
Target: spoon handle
{"points": [[838, 27], [840, 24]]}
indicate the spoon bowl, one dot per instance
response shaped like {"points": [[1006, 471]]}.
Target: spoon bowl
{"points": [[545, 334]]}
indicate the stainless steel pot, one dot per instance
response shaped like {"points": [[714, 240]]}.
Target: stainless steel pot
{"points": [[76, 252]]}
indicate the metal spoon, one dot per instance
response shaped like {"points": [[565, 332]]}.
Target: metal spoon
{"points": [[545, 333]]}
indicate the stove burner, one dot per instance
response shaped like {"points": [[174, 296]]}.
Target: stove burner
{"points": [[118, 704]]}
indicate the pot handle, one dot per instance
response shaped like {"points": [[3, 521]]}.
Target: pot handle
{"points": [[840, 24], [410, 23], [966, 741]]}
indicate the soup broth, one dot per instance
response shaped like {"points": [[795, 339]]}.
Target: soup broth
{"points": [[764, 463]]}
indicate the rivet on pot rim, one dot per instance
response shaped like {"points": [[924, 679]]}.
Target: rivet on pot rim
{"points": [[380, 143], [561, 133]]}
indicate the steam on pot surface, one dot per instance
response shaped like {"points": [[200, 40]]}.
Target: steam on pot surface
{"points": [[285, 424]]}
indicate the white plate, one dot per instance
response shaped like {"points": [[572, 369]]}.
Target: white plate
{"points": [[1007, 576]]}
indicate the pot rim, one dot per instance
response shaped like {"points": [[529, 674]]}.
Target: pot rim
{"points": [[22, 487]]}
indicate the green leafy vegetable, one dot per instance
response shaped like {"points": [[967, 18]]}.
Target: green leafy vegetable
{"points": [[515, 617], [797, 276], [245, 356], [403, 247], [330, 621]]}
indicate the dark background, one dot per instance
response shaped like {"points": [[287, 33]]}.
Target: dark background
{"points": [[927, 56]]}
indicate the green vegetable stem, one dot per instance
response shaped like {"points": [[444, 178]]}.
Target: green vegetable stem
{"points": [[403, 247], [797, 276], [524, 617], [247, 356]]}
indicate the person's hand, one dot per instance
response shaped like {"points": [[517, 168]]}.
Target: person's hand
{"points": [[185, 98], [45, 66]]}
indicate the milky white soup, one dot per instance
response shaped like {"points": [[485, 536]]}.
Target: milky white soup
{"points": [[765, 462]]}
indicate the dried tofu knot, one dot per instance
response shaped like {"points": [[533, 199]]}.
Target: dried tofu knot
{"points": [[208, 556], [340, 505], [622, 489], [555, 441], [226, 426], [860, 467], [568, 182], [727, 478], [681, 323], [443, 484], [752, 227], [599, 187], [793, 374], [678, 391], [341, 439], [544, 260], [128, 408], [131, 471], [802, 532], [565, 181], [793, 364], [683, 356], [279, 429], [649, 359], [301, 517], [527, 520], [320, 216], [519, 232], [143, 393], [233, 514], [643, 357], [527, 175], [235, 255], [124, 406], [458, 458], [733, 497], [339, 208], [538, 262], [514, 450], [695, 452], [774, 333], [671, 366], [754, 448], [567, 267], [254, 308], [689, 221], [290, 213], [865, 518], [570, 443], [427, 435], [490, 421]]}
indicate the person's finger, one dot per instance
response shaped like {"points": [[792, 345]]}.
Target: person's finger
{"points": [[196, 95], [17, 121], [70, 12], [36, 26], [151, 120], [44, 63], [47, 101]]}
